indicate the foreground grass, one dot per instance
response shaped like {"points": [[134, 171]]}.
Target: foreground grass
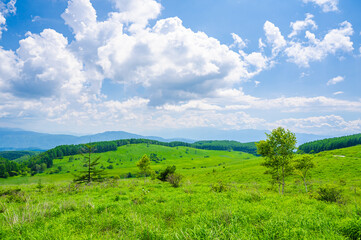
{"points": [[145, 209], [248, 207]]}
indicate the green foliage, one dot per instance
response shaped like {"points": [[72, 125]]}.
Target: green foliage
{"points": [[39, 186], [144, 165], [226, 146], [352, 229], [12, 155], [329, 194], [91, 173], [278, 152], [330, 144], [247, 209], [303, 165], [219, 187], [174, 179], [163, 174], [9, 168]]}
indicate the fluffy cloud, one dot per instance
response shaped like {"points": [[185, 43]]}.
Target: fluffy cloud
{"points": [[326, 5], [298, 26], [316, 50], [171, 62], [176, 77], [321, 124], [335, 80], [274, 37], [238, 41], [6, 9], [136, 12], [48, 67], [9, 68]]}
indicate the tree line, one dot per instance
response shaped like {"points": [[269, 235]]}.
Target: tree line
{"points": [[330, 144]]}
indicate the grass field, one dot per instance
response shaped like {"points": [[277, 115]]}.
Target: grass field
{"points": [[223, 195]]}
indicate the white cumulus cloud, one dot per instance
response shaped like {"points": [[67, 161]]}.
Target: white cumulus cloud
{"points": [[299, 26], [326, 5], [316, 50], [335, 80], [6, 9], [274, 37]]}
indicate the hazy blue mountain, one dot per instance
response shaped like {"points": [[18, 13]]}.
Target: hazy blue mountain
{"points": [[246, 135], [17, 139]]}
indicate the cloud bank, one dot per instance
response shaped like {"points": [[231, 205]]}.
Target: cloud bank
{"points": [[173, 76]]}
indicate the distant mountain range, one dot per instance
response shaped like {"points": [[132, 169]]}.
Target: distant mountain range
{"points": [[18, 139], [244, 135]]}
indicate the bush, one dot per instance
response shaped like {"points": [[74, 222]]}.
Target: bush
{"points": [[163, 174], [174, 179], [329, 194], [219, 187]]}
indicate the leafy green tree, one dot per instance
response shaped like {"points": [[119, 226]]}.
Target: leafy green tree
{"points": [[278, 153], [91, 173], [303, 166], [144, 165]]}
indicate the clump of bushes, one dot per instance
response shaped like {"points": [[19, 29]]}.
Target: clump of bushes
{"points": [[329, 194], [163, 174], [170, 176]]}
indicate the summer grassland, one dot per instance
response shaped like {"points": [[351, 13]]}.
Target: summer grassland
{"points": [[223, 195]]}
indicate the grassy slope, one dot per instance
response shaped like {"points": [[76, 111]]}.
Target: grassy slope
{"points": [[145, 209]]}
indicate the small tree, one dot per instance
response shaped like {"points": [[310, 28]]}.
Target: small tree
{"points": [[144, 165], [302, 166], [278, 152], [91, 173]]}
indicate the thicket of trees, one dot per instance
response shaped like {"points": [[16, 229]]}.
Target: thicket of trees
{"points": [[227, 146], [12, 155], [278, 151], [330, 144], [8, 168]]}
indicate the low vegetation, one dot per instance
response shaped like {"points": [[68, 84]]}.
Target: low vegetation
{"points": [[160, 192]]}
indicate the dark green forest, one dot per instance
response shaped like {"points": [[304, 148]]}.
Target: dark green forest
{"points": [[12, 155], [330, 144]]}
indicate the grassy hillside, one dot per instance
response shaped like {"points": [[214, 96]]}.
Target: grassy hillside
{"points": [[224, 195]]}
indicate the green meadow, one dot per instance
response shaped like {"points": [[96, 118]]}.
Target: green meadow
{"points": [[223, 195]]}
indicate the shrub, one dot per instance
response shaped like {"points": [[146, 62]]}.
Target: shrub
{"points": [[174, 179], [329, 194], [163, 174], [219, 187]]}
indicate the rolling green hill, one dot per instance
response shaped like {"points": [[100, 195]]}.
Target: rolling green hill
{"points": [[223, 195]]}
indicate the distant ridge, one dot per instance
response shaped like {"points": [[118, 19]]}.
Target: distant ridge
{"points": [[16, 139]]}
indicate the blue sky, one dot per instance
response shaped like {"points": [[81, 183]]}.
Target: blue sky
{"points": [[85, 66]]}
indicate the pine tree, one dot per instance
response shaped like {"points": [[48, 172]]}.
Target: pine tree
{"points": [[91, 174]]}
